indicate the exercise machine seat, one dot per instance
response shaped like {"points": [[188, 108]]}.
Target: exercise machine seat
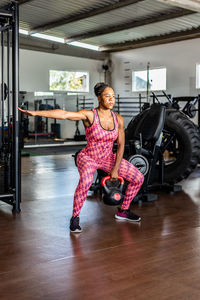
{"points": [[151, 124]]}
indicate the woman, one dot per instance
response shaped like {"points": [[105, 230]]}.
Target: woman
{"points": [[102, 128]]}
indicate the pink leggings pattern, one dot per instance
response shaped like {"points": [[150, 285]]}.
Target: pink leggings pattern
{"points": [[87, 167]]}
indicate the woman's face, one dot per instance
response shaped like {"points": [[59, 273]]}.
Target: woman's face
{"points": [[107, 98]]}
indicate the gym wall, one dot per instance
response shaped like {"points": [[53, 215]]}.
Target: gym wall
{"points": [[34, 76], [179, 58]]}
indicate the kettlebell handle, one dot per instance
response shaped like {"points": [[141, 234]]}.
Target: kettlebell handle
{"points": [[103, 182]]}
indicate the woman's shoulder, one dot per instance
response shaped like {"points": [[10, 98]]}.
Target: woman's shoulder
{"points": [[87, 112], [90, 117], [119, 117]]}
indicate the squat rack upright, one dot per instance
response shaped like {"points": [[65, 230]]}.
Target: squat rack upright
{"points": [[10, 162]]}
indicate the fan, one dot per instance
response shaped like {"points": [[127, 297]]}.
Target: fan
{"points": [[106, 68]]}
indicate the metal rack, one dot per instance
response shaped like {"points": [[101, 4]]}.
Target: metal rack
{"points": [[189, 108], [10, 163], [82, 103], [129, 106]]}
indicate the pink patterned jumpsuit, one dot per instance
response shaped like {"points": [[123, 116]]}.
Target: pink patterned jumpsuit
{"points": [[98, 155]]}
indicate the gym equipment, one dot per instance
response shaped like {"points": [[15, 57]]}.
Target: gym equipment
{"points": [[24, 120], [40, 125], [144, 136], [140, 162], [112, 190], [128, 106], [181, 141], [10, 163]]}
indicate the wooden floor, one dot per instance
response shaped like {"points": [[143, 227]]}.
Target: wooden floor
{"points": [[115, 260]]}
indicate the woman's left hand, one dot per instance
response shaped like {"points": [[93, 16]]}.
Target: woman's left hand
{"points": [[113, 174]]}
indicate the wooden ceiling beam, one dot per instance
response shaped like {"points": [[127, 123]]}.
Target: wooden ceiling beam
{"points": [[153, 40], [24, 1], [187, 4], [20, 2], [130, 25]]}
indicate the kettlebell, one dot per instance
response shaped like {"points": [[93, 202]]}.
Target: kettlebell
{"points": [[112, 190]]}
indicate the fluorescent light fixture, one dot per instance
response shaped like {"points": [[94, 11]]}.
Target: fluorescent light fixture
{"points": [[22, 31], [75, 94], [49, 37], [43, 94], [83, 45], [60, 40]]}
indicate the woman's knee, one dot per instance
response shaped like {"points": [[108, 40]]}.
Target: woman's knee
{"points": [[138, 179], [131, 173], [86, 178]]}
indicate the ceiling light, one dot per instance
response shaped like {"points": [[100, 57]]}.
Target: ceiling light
{"points": [[49, 37], [60, 40], [22, 31], [43, 93], [83, 45]]}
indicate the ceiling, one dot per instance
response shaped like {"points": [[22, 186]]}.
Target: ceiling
{"points": [[113, 25]]}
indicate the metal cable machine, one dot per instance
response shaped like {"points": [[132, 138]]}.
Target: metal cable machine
{"points": [[10, 170]]}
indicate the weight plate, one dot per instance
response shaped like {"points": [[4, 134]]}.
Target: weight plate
{"points": [[140, 162]]}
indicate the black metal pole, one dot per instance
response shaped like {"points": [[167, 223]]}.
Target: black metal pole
{"points": [[2, 85], [118, 103], [83, 102], [9, 143], [15, 89], [54, 100], [8, 85], [46, 119], [199, 111]]}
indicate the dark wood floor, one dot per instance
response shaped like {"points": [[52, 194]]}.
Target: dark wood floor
{"points": [[39, 258]]}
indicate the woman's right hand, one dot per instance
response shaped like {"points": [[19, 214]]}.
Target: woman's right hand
{"points": [[27, 112]]}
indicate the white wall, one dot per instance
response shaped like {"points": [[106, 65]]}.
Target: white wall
{"points": [[179, 58], [34, 76]]}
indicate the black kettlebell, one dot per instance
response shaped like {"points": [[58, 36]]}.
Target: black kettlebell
{"points": [[112, 190]]}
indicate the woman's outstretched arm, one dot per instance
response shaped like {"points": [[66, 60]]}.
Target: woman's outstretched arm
{"points": [[57, 114]]}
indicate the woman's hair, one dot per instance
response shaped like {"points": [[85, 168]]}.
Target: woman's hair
{"points": [[99, 88]]}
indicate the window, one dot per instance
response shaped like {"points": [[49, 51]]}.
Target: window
{"points": [[198, 76], [68, 81], [157, 80]]}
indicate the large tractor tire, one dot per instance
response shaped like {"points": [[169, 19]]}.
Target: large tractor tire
{"points": [[183, 153], [180, 144]]}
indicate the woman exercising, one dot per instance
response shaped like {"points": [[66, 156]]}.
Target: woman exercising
{"points": [[102, 128]]}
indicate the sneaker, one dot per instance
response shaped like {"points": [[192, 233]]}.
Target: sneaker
{"points": [[74, 225], [127, 214]]}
